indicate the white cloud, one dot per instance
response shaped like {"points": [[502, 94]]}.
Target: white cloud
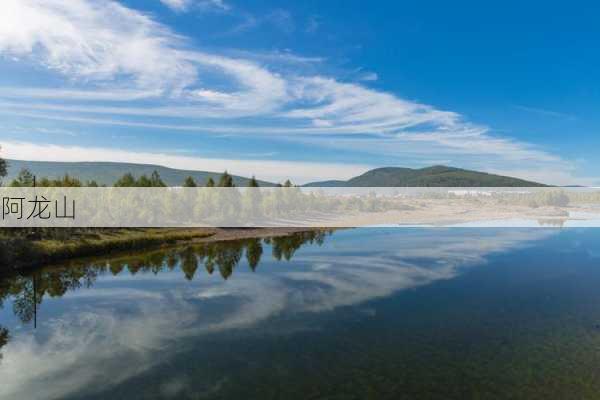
{"points": [[120, 95], [176, 5], [369, 77], [184, 5], [83, 39], [352, 108], [86, 40], [262, 91], [157, 73]]}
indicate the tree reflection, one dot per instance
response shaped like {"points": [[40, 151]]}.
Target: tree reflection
{"points": [[254, 251], [26, 301], [286, 246], [3, 338], [227, 257], [189, 263], [28, 291]]}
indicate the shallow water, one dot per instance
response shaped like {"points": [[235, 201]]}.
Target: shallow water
{"points": [[365, 313]]}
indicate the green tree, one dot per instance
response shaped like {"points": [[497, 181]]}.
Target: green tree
{"points": [[155, 180], [44, 182], [252, 200], [143, 181], [26, 179], [67, 181], [189, 182], [3, 169], [226, 180], [127, 180], [23, 179], [210, 182], [253, 182], [287, 183]]}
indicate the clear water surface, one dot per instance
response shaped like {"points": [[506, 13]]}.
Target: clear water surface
{"points": [[382, 313]]}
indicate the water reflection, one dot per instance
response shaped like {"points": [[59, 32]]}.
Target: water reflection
{"points": [[28, 291], [145, 311], [3, 339]]}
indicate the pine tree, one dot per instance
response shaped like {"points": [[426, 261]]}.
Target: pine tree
{"points": [[155, 180], [189, 182], [210, 182], [253, 182], [3, 168], [143, 181], [126, 180], [68, 181], [23, 179], [226, 180]]}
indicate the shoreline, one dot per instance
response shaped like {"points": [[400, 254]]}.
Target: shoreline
{"points": [[32, 254]]}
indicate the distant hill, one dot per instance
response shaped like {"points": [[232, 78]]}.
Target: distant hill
{"points": [[107, 173], [437, 176]]}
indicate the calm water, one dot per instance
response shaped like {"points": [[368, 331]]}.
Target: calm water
{"points": [[368, 313]]}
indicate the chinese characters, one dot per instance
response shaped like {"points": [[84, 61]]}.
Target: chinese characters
{"points": [[39, 207]]}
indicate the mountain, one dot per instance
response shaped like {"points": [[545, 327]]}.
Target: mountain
{"points": [[106, 173], [437, 176]]}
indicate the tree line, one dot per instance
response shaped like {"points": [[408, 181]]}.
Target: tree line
{"points": [[25, 178]]}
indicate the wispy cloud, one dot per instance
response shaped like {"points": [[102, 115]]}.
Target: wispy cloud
{"points": [[84, 40], [544, 112], [157, 73], [368, 77], [248, 22], [39, 130], [279, 18], [185, 5], [120, 95], [313, 24], [176, 5]]}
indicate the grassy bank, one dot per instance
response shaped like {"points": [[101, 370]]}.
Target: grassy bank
{"points": [[19, 252]]}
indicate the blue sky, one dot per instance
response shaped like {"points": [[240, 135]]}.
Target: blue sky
{"points": [[308, 90]]}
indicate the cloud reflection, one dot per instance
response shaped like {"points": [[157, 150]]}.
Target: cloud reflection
{"points": [[118, 329]]}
